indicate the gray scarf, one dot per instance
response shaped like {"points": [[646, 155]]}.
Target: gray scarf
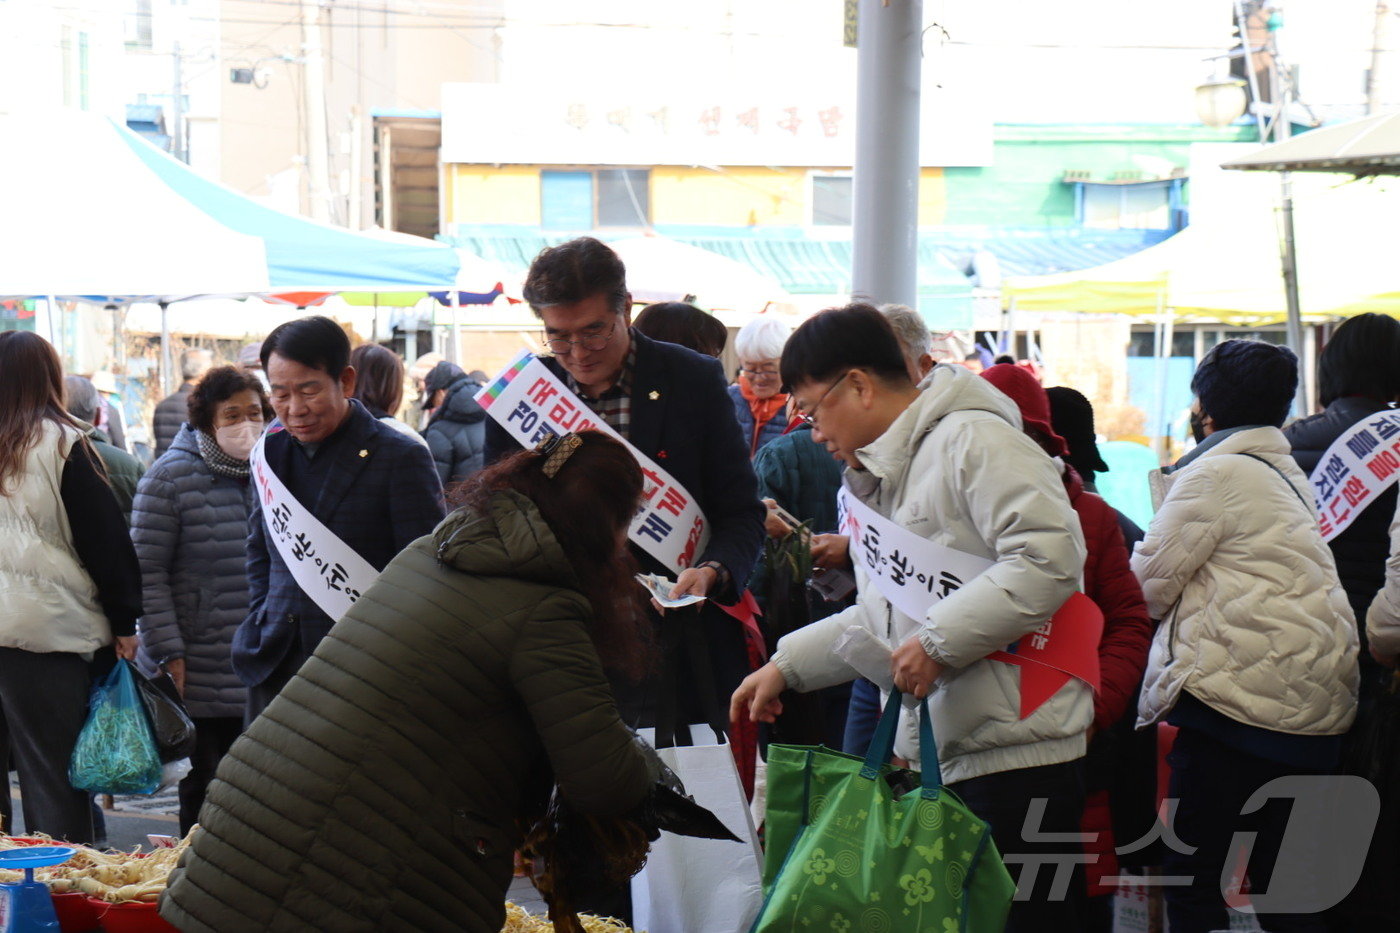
{"points": [[220, 462]]}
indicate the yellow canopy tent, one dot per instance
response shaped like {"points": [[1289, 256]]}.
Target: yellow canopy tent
{"points": [[1226, 267]]}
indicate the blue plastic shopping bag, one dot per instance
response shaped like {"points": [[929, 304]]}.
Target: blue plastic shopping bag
{"points": [[116, 751]]}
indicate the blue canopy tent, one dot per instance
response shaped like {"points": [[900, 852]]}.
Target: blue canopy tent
{"points": [[304, 255], [134, 224]]}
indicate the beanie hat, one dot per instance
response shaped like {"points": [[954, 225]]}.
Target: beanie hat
{"points": [[1072, 416], [1029, 395], [1246, 382]]}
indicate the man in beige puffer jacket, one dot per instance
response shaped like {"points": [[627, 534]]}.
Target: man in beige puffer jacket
{"points": [[1255, 657], [949, 462]]}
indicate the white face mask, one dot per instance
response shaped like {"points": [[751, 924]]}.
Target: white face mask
{"points": [[237, 440]]}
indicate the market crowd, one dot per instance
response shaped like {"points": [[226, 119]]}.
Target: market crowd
{"points": [[397, 626]]}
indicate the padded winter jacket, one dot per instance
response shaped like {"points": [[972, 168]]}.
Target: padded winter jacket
{"points": [[956, 468], [800, 476], [170, 416], [380, 790], [1360, 551], [760, 437], [190, 528], [1383, 616], [48, 600], [1254, 621], [1109, 582], [457, 433]]}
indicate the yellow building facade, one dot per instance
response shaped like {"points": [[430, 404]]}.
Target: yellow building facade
{"points": [[722, 196]]}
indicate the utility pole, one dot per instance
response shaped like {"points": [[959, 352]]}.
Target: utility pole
{"points": [[314, 95], [885, 214], [1375, 88], [178, 147], [357, 159]]}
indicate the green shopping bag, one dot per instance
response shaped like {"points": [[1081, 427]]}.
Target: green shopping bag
{"points": [[857, 858]]}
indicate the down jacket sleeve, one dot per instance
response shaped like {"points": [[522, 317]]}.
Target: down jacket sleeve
{"points": [[155, 530], [1183, 535], [1383, 618], [555, 669], [1127, 630], [441, 446], [1030, 526]]}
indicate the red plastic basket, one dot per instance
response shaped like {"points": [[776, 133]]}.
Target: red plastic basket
{"points": [[137, 917], [75, 912]]}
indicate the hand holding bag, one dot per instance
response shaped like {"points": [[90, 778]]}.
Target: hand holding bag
{"points": [[859, 855]]}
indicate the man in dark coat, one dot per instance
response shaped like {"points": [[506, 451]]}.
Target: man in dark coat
{"points": [[673, 406], [456, 432], [172, 410], [371, 486]]}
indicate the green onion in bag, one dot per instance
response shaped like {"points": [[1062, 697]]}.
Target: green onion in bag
{"points": [[116, 752]]}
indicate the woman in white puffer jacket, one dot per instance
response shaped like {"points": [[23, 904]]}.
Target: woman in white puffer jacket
{"points": [[1255, 659]]}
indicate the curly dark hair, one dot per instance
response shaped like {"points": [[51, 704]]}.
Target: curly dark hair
{"points": [[219, 385], [573, 271], [589, 505]]}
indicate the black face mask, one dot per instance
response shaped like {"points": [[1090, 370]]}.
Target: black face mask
{"points": [[1198, 426]]}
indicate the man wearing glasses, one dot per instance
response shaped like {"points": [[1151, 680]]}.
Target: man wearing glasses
{"points": [[672, 405], [949, 463]]}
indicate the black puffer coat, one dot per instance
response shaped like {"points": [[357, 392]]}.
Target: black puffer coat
{"points": [[190, 528], [1361, 550], [457, 433], [379, 792], [170, 416]]}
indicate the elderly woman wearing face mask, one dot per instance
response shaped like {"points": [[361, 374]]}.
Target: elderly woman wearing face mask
{"points": [[190, 524]]}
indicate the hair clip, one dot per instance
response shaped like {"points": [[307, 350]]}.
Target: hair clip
{"points": [[556, 450]]}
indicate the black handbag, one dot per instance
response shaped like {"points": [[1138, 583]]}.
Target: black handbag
{"points": [[171, 725]]}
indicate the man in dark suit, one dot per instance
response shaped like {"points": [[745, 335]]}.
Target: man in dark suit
{"points": [[672, 405], [373, 487]]}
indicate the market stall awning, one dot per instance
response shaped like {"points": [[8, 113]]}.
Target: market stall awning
{"points": [[1368, 146], [94, 211], [1228, 268], [662, 269]]}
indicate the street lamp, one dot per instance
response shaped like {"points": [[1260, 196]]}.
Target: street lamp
{"points": [[1221, 101]]}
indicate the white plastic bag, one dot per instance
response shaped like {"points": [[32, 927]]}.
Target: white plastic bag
{"points": [[173, 772], [691, 885]]}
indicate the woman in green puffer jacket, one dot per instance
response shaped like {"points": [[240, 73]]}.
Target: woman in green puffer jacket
{"points": [[383, 787]]}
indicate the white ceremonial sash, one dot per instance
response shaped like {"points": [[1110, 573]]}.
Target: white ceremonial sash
{"points": [[325, 567], [910, 571], [913, 573], [1360, 465], [531, 403]]}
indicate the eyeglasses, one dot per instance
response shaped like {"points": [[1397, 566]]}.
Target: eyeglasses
{"points": [[771, 371], [561, 346], [810, 417]]}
